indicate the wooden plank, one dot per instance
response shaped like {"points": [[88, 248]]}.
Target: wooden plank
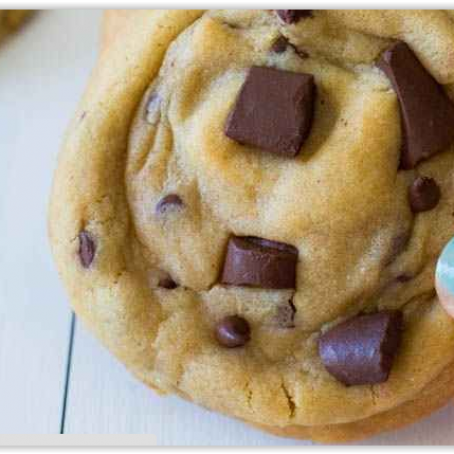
{"points": [[435, 430], [105, 399], [42, 73]]}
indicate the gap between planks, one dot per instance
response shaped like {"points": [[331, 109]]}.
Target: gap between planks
{"points": [[68, 372]]}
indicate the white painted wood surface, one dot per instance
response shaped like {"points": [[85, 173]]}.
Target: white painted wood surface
{"points": [[42, 74]]}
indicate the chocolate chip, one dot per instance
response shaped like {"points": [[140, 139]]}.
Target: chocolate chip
{"points": [[291, 16], [403, 278], [87, 249], [273, 111], [427, 112], [285, 315], [257, 262], [423, 194], [361, 350], [280, 45], [233, 331], [167, 283], [169, 202]]}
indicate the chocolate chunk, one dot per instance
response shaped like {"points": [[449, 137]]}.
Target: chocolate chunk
{"points": [[361, 350], [273, 111], [427, 112], [167, 283], [87, 249], [280, 45], [169, 202], [257, 262], [285, 315], [233, 331], [424, 194], [291, 16]]}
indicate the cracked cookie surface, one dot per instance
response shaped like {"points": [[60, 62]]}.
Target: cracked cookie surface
{"points": [[150, 190]]}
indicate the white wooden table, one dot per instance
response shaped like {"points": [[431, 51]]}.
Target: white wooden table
{"points": [[54, 377]]}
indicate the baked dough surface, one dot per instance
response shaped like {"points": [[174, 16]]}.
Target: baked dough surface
{"points": [[342, 202]]}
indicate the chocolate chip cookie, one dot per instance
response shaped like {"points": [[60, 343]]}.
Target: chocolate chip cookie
{"points": [[249, 206], [11, 20]]}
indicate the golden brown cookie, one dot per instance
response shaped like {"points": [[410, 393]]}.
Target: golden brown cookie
{"points": [[11, 20], [248, 209]]}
